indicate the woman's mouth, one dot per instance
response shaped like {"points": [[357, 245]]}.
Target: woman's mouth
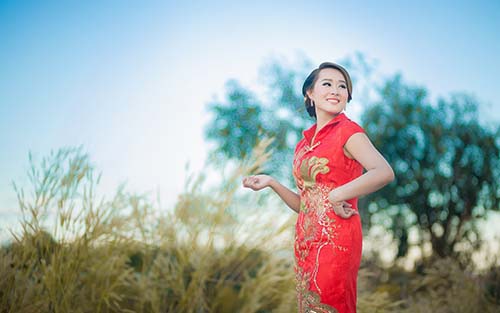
{"points": [[333, 100]]}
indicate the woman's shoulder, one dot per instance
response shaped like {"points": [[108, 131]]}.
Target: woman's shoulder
{"points": [[300, 143], [348, 128], [348, 122]]}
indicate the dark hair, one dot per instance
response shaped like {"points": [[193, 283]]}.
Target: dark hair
{"points": [[313, 77]]}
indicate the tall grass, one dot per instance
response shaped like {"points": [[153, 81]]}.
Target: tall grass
{"points": [[217, 250]]}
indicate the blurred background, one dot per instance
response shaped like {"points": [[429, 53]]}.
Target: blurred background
{"points": [[156, 93]]}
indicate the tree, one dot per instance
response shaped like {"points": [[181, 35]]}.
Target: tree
{"points": [[446, 163], [242, 119], [445, 160]]}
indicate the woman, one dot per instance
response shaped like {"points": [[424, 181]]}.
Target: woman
{"points": [[328, 170]]}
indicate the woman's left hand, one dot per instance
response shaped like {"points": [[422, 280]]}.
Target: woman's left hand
{"points": [[344, 209]]}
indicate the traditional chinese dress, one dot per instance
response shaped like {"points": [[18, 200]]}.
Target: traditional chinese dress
{"points": [[327, 247]]}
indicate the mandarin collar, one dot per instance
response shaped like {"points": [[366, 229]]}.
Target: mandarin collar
{"points": [[309, 133]]}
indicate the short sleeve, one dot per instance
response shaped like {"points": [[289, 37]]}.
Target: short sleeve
{"points": [[348, 129]]}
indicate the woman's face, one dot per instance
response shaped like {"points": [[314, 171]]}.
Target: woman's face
{"points": [[329, 93]]}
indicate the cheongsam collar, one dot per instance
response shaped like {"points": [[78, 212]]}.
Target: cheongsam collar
{"points": [[309, 133]]}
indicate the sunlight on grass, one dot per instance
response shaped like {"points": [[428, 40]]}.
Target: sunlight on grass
{"points": [[218, 250]]}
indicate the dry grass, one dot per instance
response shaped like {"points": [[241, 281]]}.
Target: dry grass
{"points": [[215, 251]]}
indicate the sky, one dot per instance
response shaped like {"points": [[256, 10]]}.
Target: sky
{"points": [[130, 80]]}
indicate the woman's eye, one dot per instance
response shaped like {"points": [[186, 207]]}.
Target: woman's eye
{"points": [[327, 84], [343, 86]]}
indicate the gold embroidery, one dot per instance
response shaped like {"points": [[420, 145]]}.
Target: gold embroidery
{"points": [[316, 229], [309, 301], [310, 168]]}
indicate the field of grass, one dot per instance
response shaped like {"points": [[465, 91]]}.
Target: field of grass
{"points": [[217, 250]]}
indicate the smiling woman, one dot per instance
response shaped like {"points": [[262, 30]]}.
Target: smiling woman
{"points": [[328, 170]]}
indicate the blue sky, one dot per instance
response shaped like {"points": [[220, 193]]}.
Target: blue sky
{"points": [[129, 80]]}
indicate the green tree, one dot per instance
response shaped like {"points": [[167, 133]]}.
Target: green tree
{"points": [[241, 118], [446, 163], [445, 160]]}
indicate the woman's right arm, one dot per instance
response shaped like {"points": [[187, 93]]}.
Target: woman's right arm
{"points": [[258, 182]]}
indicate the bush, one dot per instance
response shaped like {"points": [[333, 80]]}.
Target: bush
{"points": [[215, 251]]}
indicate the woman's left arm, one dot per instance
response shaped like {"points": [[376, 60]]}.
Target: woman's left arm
{"points": [[378, 172]]}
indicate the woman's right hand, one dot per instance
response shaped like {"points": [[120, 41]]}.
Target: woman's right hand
{"points": [[257, 182]]}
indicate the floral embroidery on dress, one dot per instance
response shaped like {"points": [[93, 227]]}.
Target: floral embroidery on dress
{"points": [[315, 229], [310, 168], [309, 301], [327, 247]]}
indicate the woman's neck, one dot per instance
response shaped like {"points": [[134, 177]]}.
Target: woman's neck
{"points": [[323, 119]]}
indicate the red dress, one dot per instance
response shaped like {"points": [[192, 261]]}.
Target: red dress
{"points": [[327, 247]]}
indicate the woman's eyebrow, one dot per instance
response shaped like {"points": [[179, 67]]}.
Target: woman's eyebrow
{"points": [[330, 80]]}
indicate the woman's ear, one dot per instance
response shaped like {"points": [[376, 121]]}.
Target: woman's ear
{"points": [[309, 93]]}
